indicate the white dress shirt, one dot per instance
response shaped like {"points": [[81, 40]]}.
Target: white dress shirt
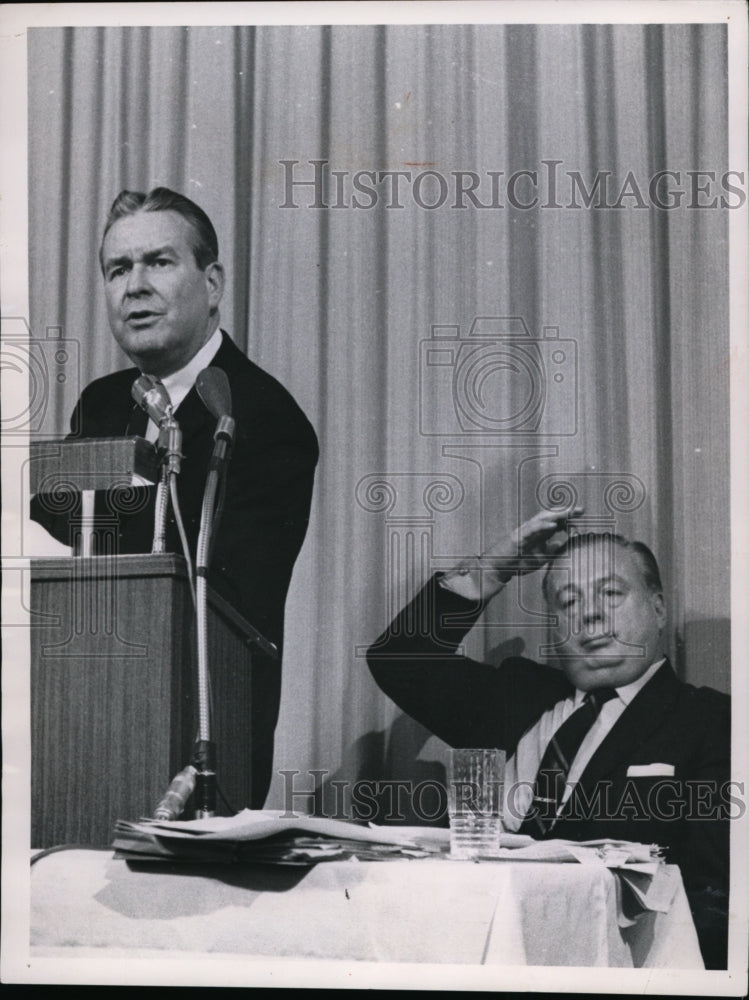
{"points": [[522, 767]]}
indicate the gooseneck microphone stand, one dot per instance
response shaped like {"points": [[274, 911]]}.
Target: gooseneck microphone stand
{"points": [[213, 388], [200, 775], [205, 751], [170, 445]]}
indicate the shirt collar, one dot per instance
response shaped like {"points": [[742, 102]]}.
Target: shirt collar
{"points": [[178, 384], [628, 691]]}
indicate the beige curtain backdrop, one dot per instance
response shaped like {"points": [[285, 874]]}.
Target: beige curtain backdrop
{"points": [[600, 363]]}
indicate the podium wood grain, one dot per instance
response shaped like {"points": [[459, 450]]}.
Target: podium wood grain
{"points": [[113, 715]]}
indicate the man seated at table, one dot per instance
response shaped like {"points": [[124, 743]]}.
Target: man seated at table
{"points": [[613, 744]]}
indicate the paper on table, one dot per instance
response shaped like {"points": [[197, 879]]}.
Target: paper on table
{"points": [[609, 853], [440, 836], [266, 838], [257, 824], [280, 836]]}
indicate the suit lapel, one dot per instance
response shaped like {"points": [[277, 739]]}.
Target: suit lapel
{"points": [[638, 721], [191, 414]]}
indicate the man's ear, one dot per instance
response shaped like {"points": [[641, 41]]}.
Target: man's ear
{"points": [[215, 280], [659, 605]]}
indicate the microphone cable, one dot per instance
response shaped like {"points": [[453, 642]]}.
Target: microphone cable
{"points": [[159, 518], [182, 536]]}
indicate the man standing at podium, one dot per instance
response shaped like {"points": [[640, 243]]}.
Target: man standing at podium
{"points": [[163, 284]]}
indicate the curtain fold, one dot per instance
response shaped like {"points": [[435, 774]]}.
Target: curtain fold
{"points": [[463, 351]]}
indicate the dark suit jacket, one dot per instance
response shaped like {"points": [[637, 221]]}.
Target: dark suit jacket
{"points": [[265, 513], [468, 703]]}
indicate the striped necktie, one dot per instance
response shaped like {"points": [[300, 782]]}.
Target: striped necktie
{"points": [[557, 760]]}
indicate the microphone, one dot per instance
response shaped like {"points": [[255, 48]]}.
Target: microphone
{"points": [[152, 397], [214, 390], [175, 798]]}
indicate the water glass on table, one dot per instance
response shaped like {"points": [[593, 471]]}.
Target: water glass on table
{"points": [[475, 779]]}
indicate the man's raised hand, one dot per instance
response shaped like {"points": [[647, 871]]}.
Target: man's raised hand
{"points": [[530, 546]]}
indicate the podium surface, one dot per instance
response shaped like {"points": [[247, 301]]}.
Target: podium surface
{"points": [[113, 692]]}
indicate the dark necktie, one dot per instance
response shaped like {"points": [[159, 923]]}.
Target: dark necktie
{"points": [[557, 760]]}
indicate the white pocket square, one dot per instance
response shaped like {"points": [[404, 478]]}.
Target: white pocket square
{"points": [[650, 771]]}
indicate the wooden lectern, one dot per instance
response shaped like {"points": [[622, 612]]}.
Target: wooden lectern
{"points": [[113, 713]]}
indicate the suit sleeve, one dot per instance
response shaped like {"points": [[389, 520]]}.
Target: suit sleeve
{"points": [[463, 701], [263, 525], [703, 854], [265, 517]]}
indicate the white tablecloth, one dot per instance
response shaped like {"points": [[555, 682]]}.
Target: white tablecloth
{"points": [[430, 911]]}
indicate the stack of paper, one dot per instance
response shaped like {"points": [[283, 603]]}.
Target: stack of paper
{"points": [[270, 837], [265, 836]]}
